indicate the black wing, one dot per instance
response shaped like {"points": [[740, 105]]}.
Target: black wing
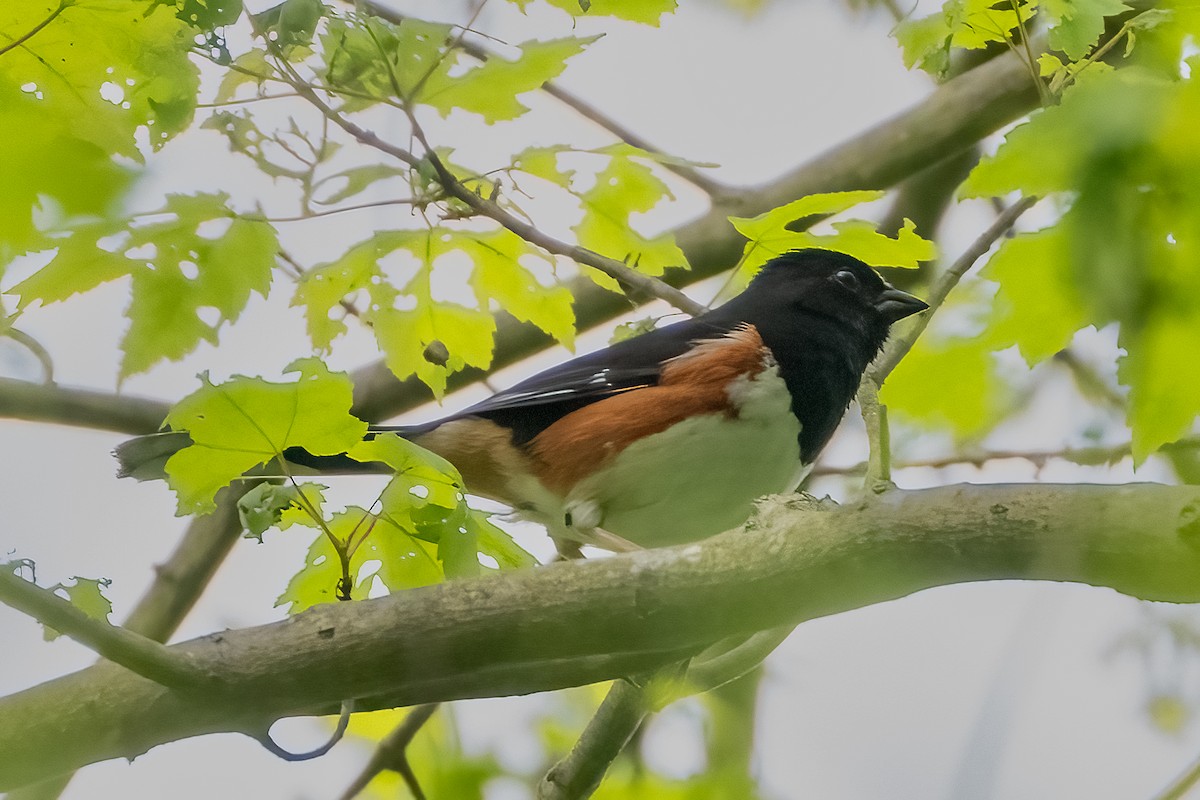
{"points": [[537, 402]]}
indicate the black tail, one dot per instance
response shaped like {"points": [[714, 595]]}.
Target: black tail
{"points": [[145, 457]]}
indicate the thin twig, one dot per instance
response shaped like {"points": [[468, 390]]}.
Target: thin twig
{"points": [[1182, 785], [899, 346], [392, 753], [712, 188], [36, 349], [874, 414], [402, 201], [628, 278], [1084, 456], [136, 653]]}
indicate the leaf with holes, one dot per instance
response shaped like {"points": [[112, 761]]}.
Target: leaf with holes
{"points": [[624, 188]]}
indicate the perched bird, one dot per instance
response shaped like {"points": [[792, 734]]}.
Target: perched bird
{"points": [[672, 435]]}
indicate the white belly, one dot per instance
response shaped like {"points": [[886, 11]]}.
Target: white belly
{"points": [[700, 476]]}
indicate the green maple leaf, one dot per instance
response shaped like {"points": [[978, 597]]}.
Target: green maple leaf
{"points": [[245, 422], [104, 68], [623, 188], [1076, 25], [194, 265], [466, 333], [491, 88], [770, 234], [500, 275], [324, 287]]}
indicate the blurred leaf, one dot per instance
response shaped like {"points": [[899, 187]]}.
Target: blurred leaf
{"points": [[925, 43], [245, 422], [949, 383], [292, 23], [103, 70], [1121, 145], [1076, 25], [1038, 308], [628, 330]]}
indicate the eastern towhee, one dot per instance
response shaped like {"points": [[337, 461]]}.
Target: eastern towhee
{"points": [[672, 435]]}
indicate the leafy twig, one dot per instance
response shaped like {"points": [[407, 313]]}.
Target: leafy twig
{"points": [[392, 753], [589, 112], [136, 653], [628, 278]]}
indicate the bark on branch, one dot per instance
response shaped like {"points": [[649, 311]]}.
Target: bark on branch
{"points": [[575, 623]]}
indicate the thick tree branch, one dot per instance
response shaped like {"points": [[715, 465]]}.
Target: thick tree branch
{"points": [[83, 408], [574, 623], [952, 119]]}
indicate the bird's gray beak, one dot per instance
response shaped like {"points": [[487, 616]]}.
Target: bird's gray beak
{"points": [[894, 304]]}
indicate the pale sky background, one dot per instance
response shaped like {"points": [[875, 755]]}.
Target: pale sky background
{"points": [[993, 691]]}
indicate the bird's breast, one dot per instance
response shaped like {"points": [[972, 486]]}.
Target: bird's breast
{"points": [[700, 475]]}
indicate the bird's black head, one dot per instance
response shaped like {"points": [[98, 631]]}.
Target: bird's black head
{"points": [[823, 286], [824, 316]]}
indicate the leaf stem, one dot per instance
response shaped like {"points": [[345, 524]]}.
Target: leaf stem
{"points": [[62, 6]]}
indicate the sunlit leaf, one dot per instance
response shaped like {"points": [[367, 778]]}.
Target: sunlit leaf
{"points": [[238, 425]]}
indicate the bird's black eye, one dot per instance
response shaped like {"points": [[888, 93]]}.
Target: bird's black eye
{"points": [[847, 278]]}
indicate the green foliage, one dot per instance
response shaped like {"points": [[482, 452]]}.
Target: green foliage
{"points": [[498, 273], [418, 63], [1075, 28], [68, 109], [1125, 249], [772, 233], [202, 257]]}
